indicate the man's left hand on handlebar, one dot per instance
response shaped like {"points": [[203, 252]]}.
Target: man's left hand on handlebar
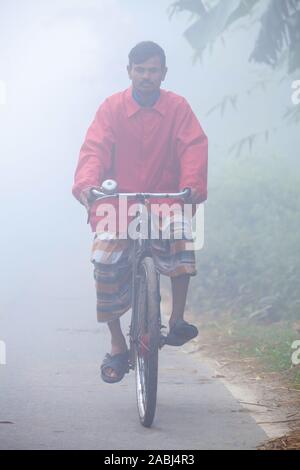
{"points": [[195, 197]]}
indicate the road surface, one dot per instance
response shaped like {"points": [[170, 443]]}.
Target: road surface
{"points": [[52, 397]]}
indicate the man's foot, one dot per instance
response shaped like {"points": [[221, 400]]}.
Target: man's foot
{"points": [[115, 362], [118, 348], [114, 368], [180, 333]]}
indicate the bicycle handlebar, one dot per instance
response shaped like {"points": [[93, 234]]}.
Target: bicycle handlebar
{"points": [[109, 187], [185, 194]]}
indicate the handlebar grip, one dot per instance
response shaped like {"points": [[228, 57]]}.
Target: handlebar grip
{"points": [[188, 193], [92, 196]]}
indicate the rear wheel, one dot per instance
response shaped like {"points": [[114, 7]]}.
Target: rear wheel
{"points": [[147, 341]]}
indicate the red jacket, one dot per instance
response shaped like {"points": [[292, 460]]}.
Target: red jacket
{"points": [[156, 149]]}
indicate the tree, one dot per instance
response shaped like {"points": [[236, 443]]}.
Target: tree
{"points": [[278, 38], [277, 44]]}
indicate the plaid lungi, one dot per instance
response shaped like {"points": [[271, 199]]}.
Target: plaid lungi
{"points": [[112, 260]]}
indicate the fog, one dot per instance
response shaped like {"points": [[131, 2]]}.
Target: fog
{"points": [[59, 60]]}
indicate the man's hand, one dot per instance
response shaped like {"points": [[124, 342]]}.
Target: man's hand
{"points": [[86, 197], [195, 197]]}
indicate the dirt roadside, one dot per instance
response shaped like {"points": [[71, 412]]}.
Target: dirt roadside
{"points": [[267, 396]]}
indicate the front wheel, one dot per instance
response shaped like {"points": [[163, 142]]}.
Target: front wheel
{"points": [[147, 341]]}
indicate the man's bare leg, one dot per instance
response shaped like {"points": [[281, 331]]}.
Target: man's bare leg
{"points": [[118, 343], [180, 285]]}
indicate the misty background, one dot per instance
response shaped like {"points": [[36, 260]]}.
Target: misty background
{"points": [[60, 60]]}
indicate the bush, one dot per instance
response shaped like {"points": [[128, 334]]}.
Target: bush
{"points": [[251, 258]]}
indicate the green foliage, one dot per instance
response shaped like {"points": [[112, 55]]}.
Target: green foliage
{"points": [[208, 28], [271, 344], [279, 27], [251, 258], [244, 8], [194, 6]]}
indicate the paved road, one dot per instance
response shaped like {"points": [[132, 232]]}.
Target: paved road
{"points": [[51, 396]]}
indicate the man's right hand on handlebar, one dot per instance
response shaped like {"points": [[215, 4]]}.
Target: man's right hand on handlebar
{"points": [[87, 198]]}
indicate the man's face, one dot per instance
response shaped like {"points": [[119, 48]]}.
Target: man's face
{"points": [[147, 77]]}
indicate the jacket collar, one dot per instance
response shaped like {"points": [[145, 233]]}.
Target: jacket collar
{"points": [[132, 107]]}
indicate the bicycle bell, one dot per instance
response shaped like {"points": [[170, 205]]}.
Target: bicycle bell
{"points": [[109, 186]]}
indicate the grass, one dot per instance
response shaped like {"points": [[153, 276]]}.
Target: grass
{"points": [[270, 345], [259, 349]]}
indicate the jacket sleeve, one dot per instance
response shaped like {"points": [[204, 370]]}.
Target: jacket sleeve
{"points": [[192, 150], [96, 153]]}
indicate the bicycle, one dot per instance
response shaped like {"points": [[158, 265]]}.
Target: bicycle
{"points": [[145, 336]]}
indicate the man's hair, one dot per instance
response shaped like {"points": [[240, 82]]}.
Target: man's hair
{"points": [[146, 50]]}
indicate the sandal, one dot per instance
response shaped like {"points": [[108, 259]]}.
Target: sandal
{"points": [[120, 365], [180, 333]]}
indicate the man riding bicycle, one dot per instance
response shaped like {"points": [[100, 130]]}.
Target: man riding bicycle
{"points": [[148, 140]]}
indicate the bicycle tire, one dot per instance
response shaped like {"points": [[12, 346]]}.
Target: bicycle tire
{"points": [[147, 345]]}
